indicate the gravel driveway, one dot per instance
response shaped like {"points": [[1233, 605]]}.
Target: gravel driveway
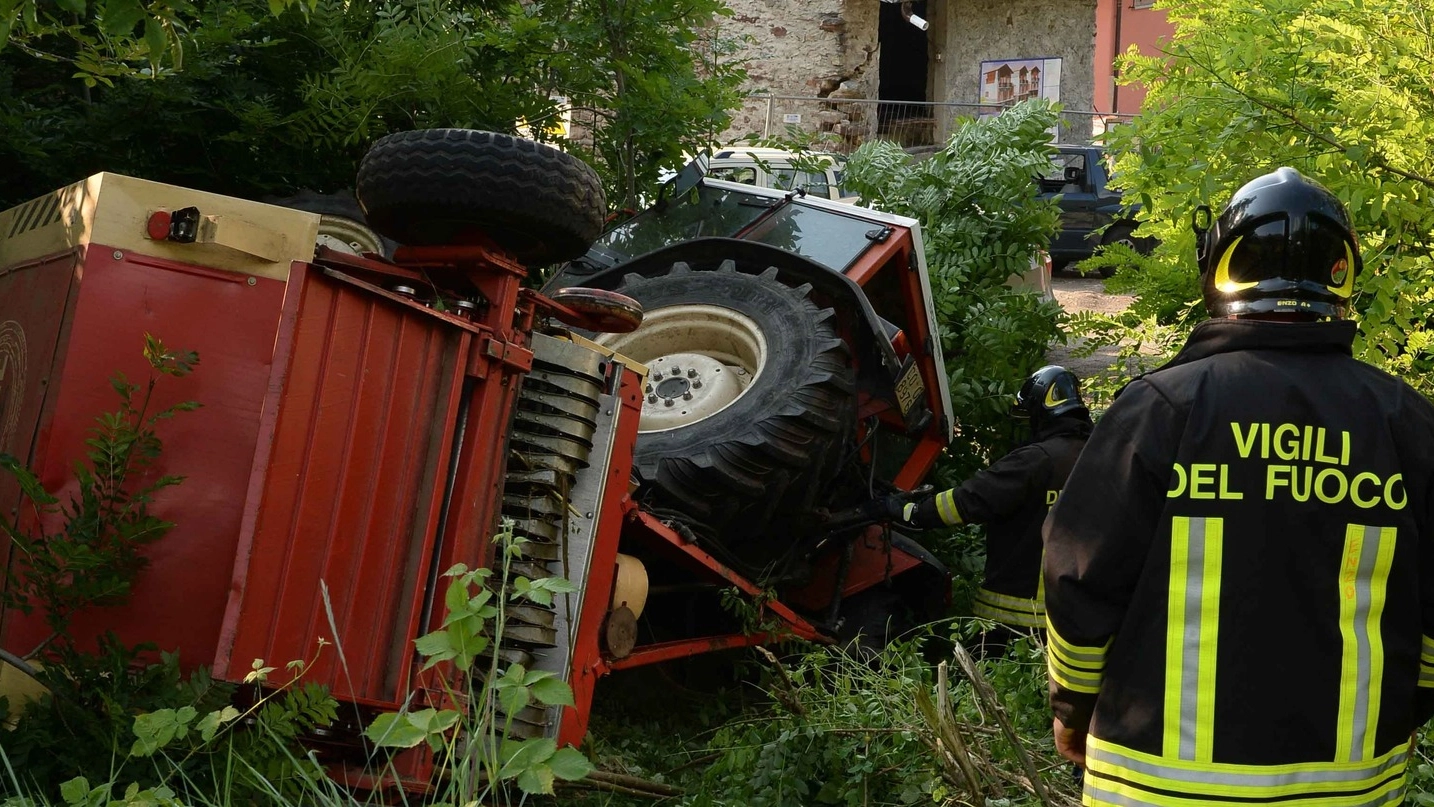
{"points": [[1076, 293]]}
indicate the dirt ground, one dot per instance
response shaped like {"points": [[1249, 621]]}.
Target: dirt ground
{"points": [[1076, 293]]}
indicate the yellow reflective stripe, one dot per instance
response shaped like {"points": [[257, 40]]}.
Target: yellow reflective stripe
{"points": [[1072, 678], [1022, 613], [1426, 662], [946, 508], [1075, 655], [1184, 780], [1175, 634], [1192, 636], [1363, 580], [1008, 601], [1014, 618]]}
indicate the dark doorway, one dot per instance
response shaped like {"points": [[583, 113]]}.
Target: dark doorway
{"points": [[903, 74]]}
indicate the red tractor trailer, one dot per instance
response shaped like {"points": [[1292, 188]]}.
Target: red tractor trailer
{"points": [[692, 405]]}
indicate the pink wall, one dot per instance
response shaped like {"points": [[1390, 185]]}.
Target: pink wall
{"points": [[1117, 27]]}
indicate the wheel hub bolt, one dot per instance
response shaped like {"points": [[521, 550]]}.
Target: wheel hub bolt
{"points": [[667, 402], [652, 399], [691, 373], [686, 396], [697, 385], [648, 389], [676, 370]]}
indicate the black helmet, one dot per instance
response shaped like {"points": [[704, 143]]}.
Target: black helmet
{"points": [[1284, 244], [1050, 392]]}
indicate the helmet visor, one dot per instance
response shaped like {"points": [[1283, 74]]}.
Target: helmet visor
{"points": [[1252, 257]]}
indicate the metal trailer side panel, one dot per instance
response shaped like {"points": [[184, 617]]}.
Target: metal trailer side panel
{"points": [[346, 509], [230, 320]]}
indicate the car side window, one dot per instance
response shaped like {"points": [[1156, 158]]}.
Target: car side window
{"points": [[746, 175], [790, 179]]}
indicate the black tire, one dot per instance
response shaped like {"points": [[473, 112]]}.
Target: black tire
{"points": [[765, 457], [1124, 233], [443, 186], [343, 221]]}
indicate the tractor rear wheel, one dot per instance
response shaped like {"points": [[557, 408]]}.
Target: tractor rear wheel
{"points": [[749, 400], [449, 186]]}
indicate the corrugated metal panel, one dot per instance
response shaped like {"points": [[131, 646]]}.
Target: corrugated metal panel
{"points": [[349, 497]]}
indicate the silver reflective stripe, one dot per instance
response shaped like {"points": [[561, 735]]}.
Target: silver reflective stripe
{"points": [[1368, 549], [1363, 578], [1191, 630], [1101, 756], [1093, 790]]}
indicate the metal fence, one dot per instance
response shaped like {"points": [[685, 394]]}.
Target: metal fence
{"points": [[841, 124]]}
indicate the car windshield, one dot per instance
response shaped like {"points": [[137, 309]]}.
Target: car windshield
{"points": [[831, 239]]}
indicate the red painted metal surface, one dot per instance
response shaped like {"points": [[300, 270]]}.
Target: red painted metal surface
{"points": [[873, 562], [346, 506], [34, 300], [115, 299]]}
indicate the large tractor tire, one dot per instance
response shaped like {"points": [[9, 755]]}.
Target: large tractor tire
{"points": [[448, 186], [341, 222], [749, 403]]}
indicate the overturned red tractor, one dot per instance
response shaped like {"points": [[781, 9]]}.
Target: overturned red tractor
{"points": [[694, 404]]}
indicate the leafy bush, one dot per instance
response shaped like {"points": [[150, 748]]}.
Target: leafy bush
{"points": [[277, 95], [1326, 87], [982, 222]]}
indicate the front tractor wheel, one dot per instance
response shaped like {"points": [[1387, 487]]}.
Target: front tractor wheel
{"points": [[749, 399]]}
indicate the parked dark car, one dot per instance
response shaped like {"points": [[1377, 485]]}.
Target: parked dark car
{"points": [[1079, 179]]}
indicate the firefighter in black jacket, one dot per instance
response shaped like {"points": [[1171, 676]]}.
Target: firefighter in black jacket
{"points": [[1013, 496], [1240, 575]]}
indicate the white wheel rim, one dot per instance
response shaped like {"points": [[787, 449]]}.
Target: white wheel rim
{"points": [[700, 359], [347, 236]]}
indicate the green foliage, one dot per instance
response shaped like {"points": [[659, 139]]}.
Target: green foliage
{"points": [[846, 731], [1340, 91], [276, 96], [105, 40], [476, 601], [94, 556]]}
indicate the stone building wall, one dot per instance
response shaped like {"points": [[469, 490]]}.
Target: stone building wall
{"points": [[829, 49], [973, 31], [803, 48]]}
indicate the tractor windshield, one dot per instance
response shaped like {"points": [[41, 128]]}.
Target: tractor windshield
{"points": [[829, 238]]}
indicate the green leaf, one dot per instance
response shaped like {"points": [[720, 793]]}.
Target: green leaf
{"points": [[209, 725], [537, 780], [392, 730], [75, 790], [552, 692], [516, 757], [74, 6], [121, 16], [570, 765], [435, 646]]}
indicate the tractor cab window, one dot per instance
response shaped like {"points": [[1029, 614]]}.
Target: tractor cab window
{"points": [[830, 239], [705, 212]]}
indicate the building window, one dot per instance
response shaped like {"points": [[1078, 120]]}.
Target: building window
{"points": [[1141, 3]]}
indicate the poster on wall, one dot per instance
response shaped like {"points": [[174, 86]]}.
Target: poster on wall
{"points": [[1007, 82]]}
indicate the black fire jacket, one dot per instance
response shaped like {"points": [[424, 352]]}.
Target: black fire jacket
{"points": [[1012, 498], [1239, 576]]}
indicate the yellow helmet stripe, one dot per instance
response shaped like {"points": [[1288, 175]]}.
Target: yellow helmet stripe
{"points": [[1222, 271], [1051, 401], [1346, 288]]}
